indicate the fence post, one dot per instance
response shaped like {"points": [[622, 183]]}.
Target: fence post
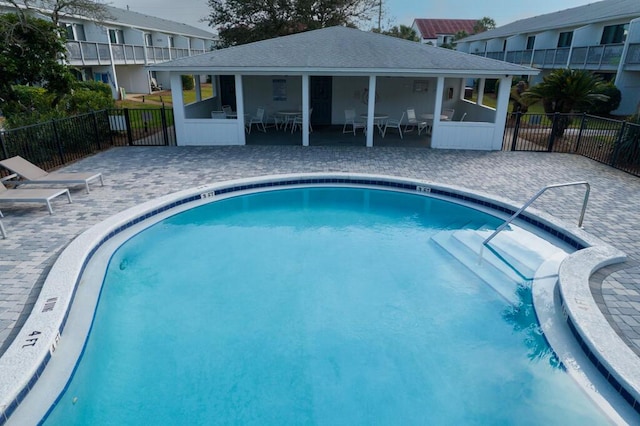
{"points": [[552, 135], [516, 130], [5, 153], [582, 126], [127, 121], [57, 138], [165, 133], [106, 113], [616, 146], [95, 129]]}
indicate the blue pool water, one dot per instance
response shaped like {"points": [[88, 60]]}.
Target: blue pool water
{"points": [[314, 306]]}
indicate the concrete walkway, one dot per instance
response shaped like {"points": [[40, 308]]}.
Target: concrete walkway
{"points": [[136, 174]]}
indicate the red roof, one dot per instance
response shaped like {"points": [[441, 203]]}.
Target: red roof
{"points": [[430, 28]]}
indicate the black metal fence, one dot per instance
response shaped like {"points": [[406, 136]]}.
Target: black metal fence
{"points": [[58, 142], [613, 142]]}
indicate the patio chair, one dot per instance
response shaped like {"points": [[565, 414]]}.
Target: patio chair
{"points": [[29, 173], [412, 122], [31, 196], [394, 124], [227, 110], [449, 113], [258, 120], [350, 120], [297, 122]]}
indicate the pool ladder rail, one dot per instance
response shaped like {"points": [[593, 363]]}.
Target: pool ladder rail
{"points": [[535, 197]]}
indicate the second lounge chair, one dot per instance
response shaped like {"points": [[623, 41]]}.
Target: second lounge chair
{"points": [[31, 196], [32, 174]]}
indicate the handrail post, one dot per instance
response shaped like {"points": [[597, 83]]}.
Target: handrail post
{"points": [[535, 197]]}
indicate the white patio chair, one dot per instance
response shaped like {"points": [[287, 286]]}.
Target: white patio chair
{"points": [[227, 110], [412, 122], [258, 120], [297, 122], [449, 113], [394, 124], [350, 120]]}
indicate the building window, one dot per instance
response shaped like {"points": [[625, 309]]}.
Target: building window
{"points": [[116, 36], [79, 30], [74, 32], [148, 39], [531, 40], [170, 41], [614, 34], [504, 45], [564, 40]]}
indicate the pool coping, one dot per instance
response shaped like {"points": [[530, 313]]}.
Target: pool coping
{"points": [[25, 359]]}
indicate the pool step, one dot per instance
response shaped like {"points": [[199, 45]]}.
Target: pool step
{"points": [[510, 260], [519, 260]]}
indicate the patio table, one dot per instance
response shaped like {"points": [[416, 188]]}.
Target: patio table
{"points": [[288, 116], [431, 116], [379, 120]]}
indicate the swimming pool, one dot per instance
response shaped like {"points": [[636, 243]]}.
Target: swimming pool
{"points": [[417, 252]]}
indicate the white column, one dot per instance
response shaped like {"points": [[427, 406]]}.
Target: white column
{"points": [[240, 109], [502, 105], [371, 108], [480, 91], [305, 110], [178, 106], [198, 89], [437, 110]]}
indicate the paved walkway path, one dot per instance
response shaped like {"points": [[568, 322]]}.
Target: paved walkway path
{"points": [[136, 174]]}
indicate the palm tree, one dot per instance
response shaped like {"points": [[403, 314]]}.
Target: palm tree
{"points": [[566, 91]]}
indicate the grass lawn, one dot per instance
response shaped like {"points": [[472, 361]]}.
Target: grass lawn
{"points": [[164, 96]]}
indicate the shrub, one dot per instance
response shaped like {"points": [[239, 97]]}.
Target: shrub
{"points": [[187, 82], [602, 107]]}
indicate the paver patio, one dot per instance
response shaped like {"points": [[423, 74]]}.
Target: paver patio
{"points": [[133, 175]]}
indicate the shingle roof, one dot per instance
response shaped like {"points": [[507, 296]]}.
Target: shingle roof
{"points": [[342, 50], [431, 28], [606, 10], [142, 21]]}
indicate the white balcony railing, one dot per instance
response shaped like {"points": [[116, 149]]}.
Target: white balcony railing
{"points": [[94, 53]]}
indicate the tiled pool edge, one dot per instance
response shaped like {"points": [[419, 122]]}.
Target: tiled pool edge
{"points": [[26, 358]]}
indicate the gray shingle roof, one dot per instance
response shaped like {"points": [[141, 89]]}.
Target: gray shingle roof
{"points": [[342, 50], [142, 21], [606, 10]]}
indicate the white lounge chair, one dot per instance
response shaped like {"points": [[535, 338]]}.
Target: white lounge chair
{"points": [[32, 174], [31, 196]]}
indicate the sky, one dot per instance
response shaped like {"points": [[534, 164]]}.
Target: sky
{"points": [[397, 12]]}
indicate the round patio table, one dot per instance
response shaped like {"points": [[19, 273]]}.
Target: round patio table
{"points": [[378, 118]]}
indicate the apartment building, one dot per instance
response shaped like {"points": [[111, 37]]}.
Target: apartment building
{"points": [[117, 50], [602, 37], [438, 32]]}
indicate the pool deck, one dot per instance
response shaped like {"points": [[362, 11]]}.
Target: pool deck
{"points": [[133, 175]]}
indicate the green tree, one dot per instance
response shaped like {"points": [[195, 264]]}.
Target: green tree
{"points": [[30, 54], [565, 91], [402, 31], [55, 8], [484, 24], [246, 21]]}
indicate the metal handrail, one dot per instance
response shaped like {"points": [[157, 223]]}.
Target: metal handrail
{"points": [[532, 199]]}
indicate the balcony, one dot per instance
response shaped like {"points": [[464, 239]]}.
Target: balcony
{"points": [[86, 53]]}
